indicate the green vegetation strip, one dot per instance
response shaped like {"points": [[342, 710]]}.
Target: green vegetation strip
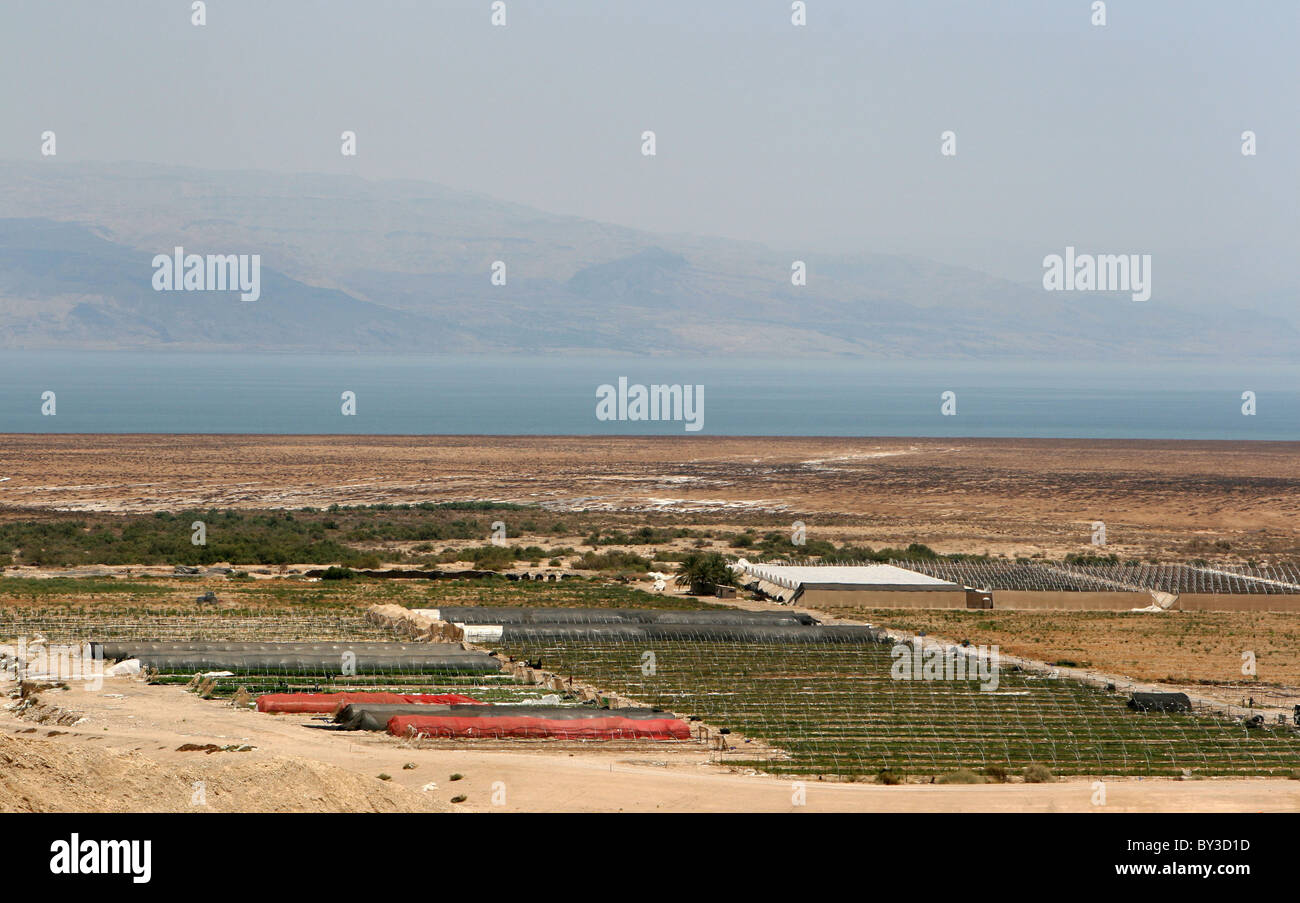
{"points": [[335, 536], [834, 709]]}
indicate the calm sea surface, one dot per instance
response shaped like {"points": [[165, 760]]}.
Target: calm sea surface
{"points": [[127, 392]]}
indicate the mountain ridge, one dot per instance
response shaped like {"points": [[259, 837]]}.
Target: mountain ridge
{"points": [[359, 265]]}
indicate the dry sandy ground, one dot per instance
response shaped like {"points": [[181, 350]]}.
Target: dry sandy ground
{"points": [[124, 756], [1022, 495], [39, 775]]}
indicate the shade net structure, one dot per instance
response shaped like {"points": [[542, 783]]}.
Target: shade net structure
{"points": [[299, 668], [1160, 702], [483, 687], [837, 707], [607, 726], [365, 716], [321, 659], [329, 703], [118, 650], [511, 634], [628, 616], [1028, 575], [375, 716], [320, 664], [229, 629]]}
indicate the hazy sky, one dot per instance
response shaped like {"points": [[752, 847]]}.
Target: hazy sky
{"points": [[1123, 138]]}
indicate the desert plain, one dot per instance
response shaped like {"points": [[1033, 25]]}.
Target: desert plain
{"points": [[124, 747]]}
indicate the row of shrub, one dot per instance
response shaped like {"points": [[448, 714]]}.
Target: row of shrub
{"points": [[645, 536], [158, 541], [993, 774], [781, 545]]}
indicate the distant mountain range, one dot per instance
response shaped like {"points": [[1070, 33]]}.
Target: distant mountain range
{"points": [[354, 265]]}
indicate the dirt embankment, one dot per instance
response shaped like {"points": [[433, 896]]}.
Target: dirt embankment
{"points": [[38, 775]]}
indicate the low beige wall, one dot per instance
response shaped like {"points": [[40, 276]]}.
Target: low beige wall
{"points": [[1031, 600], [1238, 602], [1024, 600], [883, 598]]}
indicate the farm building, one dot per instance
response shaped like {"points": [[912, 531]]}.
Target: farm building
{"points": [[859, 586]]}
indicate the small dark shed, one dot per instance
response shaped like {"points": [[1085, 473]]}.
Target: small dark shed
{"points": [[1160, 702]]}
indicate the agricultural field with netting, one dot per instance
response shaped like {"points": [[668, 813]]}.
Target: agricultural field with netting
{"points": [[833, 708], [164, 625], [579, 592], [163, 608], [494, 688], [1006, 575], [1045, 576], [1186, 578], [77, 596], [78, 610]]}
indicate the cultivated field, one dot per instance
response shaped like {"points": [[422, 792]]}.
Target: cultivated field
{"points": [[63, 610], [834, 709]]}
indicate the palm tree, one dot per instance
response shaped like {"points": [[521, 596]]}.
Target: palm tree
{"points": [[704, 571]]}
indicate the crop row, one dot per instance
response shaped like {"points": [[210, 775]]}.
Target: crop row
{"points": [[109, 625], [836, 709]]}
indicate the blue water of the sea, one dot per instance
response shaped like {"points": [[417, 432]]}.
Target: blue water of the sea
{"points": [[148, 392]]}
